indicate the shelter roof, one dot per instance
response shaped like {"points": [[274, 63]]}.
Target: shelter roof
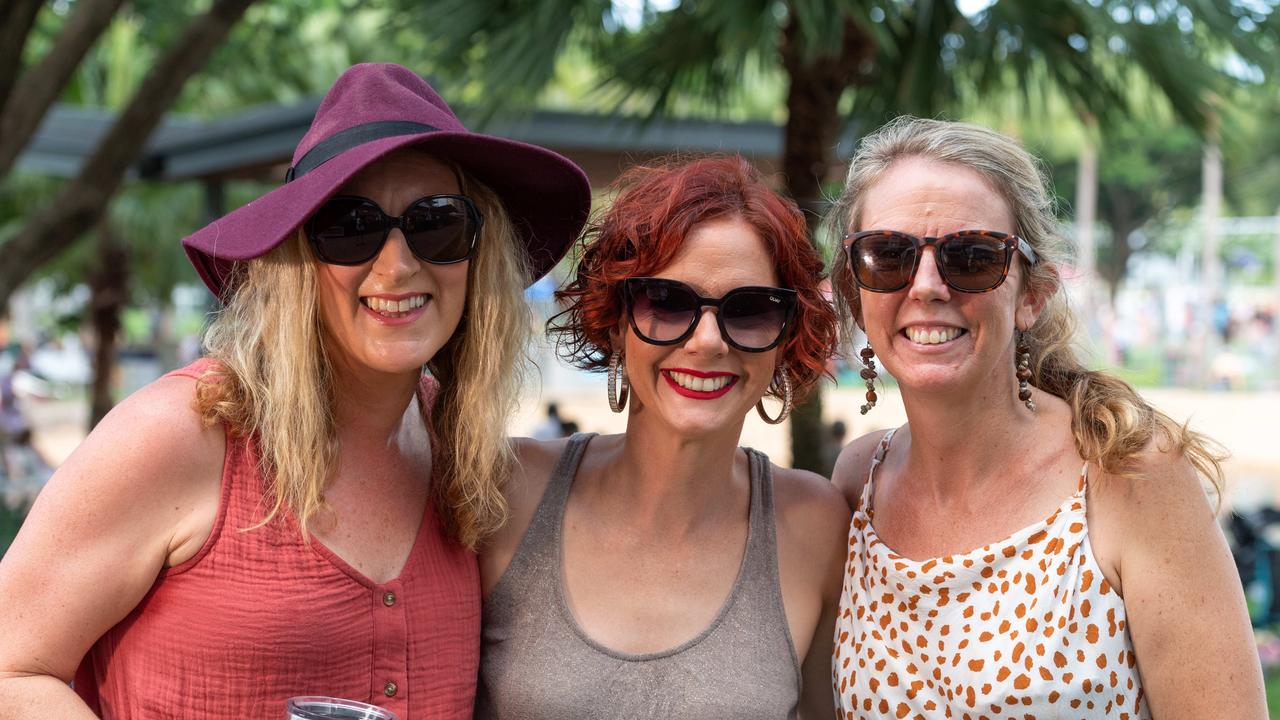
{"points": [[258, 142]]}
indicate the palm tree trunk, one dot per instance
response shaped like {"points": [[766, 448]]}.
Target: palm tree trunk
{"points": [[808, 136], [809, 139]]}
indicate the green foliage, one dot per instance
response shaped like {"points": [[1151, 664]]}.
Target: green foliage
{"points": [[1273, 692], [10, 521], [1148, 170], [1251, 151], [920, 56], [288, 50]]}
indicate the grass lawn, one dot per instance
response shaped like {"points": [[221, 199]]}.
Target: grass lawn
{"points": [[1273, 693]]}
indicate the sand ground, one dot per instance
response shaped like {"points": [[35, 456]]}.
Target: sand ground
{"points": [[1248, 424]]}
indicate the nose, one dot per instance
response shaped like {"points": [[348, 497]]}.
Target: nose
{"points": [[928, 283], [706, 337], [395, 259]]}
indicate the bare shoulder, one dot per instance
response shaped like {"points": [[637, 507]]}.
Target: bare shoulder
{"points": [[152, 464], [535, 462], [854, 464], [154, 440], [808, 498], [1163, 490], [1161, 504], [812, 521]]}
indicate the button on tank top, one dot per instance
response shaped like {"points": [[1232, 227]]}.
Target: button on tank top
{"points": [[258, 616], [1026, 627], [537, 662]]}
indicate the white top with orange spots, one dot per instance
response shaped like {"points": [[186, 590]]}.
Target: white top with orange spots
{"points": [[1026, 627]]}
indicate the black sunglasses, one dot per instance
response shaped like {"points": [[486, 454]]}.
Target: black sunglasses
{"points": [[351, 230], [665, 312], [971, 261]]}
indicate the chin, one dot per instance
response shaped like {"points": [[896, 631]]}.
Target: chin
{"points": [[936, 380], [695, 424], [400, 362]]}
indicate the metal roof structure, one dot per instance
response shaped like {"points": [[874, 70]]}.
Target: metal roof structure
{"points": [[259, 142]]}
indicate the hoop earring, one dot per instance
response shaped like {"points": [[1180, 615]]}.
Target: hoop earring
{"points": [[1023, 365], [869, 374], [617, 370], [786, 397]]}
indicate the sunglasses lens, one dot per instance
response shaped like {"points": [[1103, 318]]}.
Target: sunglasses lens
{"points": [[973, 263], [882, 262], [755, 319], [441, 229], [347, 231], [661, 312]]}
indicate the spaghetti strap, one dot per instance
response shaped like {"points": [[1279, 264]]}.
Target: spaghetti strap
{"points": [[881, 450]]}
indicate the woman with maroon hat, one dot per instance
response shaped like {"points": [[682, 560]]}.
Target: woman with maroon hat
{"points": [[296, 514], [666, 572]]}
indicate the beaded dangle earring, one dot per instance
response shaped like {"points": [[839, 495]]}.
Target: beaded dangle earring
{"points": [[1024, 371], [869, 374]]}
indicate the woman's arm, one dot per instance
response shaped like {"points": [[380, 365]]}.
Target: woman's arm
{"points": [[813, 531], [1183, 598], [853, 464], [140, 493]]}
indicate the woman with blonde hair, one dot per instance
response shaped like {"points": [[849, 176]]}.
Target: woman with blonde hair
{"points": [[1035, 541], [297, 513]]}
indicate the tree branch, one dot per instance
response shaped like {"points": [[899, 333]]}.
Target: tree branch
{"points": [[41, 84], [16, 19], [80, 202]]}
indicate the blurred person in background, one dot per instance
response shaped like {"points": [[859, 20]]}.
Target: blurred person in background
{"points": [[296, 513], [1036, 539], [833, 444], [552, 426], [667, 572]]}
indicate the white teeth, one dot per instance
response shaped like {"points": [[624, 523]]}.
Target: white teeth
{"points": [[933, 337], [700, 384], [384, 306]]}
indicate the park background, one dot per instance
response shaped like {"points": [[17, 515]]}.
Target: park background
{"points": [[127, 124]]}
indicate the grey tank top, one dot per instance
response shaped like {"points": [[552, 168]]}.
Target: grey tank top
{"points": [[537, 662]]}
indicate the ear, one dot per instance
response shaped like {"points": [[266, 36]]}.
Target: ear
{"points": [[1035, 295]]}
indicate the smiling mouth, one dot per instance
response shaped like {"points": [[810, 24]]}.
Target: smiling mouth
{"points": [[934, 336], [394, 308], [700, 386]]}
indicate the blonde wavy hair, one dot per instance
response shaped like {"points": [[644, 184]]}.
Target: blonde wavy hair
{"points": [[1111, 422], [273, 380]]}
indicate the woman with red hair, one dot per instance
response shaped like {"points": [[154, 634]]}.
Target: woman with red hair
{"points": [[666, 572]]}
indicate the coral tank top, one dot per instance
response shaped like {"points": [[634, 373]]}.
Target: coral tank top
{"points": [[258, 616]]}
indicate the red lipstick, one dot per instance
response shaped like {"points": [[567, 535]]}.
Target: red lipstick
{"points": [[699, 394]]}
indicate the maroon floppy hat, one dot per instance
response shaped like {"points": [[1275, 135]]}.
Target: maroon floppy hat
{"points": [[372, 110]]}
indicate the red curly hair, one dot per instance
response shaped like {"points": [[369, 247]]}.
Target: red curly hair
{"points": [[656, 207]]}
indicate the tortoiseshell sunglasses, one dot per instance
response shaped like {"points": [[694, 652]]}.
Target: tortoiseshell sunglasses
{"points": [[971, 261]]}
